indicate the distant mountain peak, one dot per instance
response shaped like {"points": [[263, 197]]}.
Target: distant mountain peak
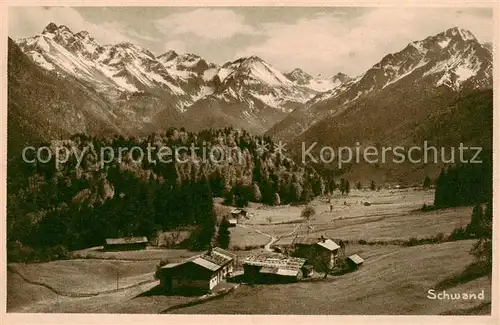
{"points": [[299, 77], [460, 32], [341, 77], [297, 70], [169, 55], [84, 34], [52, 28], [319, 83], [253, 58], [246, 61]]}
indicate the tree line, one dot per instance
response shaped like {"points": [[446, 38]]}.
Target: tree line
{"points": [[52, 210], [464, 184]]}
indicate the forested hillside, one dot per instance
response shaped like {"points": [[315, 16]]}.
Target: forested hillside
{"points": [[52, 210]]}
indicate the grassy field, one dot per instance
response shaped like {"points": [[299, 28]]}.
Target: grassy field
{"points": [[157, 254], [86, 276], [393, 280], [392, 214], [243, 238]]}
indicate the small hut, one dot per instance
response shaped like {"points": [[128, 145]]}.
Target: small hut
{"points": [[124, 244], [354, 261]]}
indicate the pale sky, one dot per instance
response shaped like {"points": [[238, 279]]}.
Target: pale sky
{"points": [[318, 40]]}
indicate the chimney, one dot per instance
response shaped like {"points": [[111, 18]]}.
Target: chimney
{"points": [[322, 238], [209, 249]]}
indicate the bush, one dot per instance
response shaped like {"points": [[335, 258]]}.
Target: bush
{"points": [[458, 234], [18, 252], [426, 207]]}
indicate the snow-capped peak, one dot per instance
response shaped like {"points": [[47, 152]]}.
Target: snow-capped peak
{"points": [[167, 56], [318, 83], [50, 28], [298, 76], [452, 58], [253, 70], [341, 77], [464, 34]]}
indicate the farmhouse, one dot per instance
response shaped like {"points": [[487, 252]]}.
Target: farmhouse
{"points": [[274, 269], [354, 261], [200, 273], [127, 243], [320, 252]]}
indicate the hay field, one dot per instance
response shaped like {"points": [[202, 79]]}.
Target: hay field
{"points": [[157, 254], [392, 282]]}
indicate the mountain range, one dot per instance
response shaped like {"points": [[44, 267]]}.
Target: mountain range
{"points": [[168, 89], [453, 60], [61, 82]]}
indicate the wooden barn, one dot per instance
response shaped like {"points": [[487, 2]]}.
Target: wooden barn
{"points": [[200, 273], [126, 243], [354, 261], [271, 269], [317, 251]]}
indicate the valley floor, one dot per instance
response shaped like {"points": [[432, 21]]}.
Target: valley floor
{"points": [[394, 279]]}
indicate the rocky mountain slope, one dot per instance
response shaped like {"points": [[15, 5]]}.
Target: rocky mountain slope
{"points": [[157, 91], [453, 59], [318, 83], [125, 89], [250, 94], [437, 90], [42, 106]]}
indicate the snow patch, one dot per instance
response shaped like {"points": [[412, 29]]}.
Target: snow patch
{"points": [[224, 73], [40, 60], [209, 74], [444, 43]]}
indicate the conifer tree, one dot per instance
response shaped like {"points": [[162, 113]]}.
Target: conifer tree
{"points": [[257, 195], [224, 235]]}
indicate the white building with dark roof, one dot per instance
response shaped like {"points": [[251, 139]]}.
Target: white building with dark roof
{"points": [[321, 252], [199, 273]]}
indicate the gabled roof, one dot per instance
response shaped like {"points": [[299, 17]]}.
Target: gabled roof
{"points": [[304, 241], [211, 261], [201, 261], [329, 245], [282, 262], [224, 252], [356, 259], [325, 243], [217, 257], [126, 240]]}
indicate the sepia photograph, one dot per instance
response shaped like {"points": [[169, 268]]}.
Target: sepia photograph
{"points": [[250, 160]]}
